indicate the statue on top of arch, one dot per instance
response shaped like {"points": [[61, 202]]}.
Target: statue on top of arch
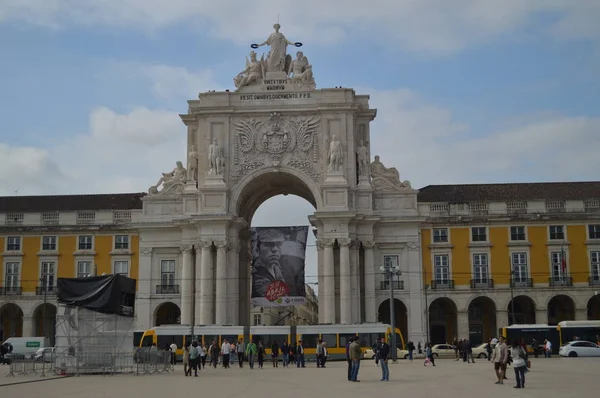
{"points": [[277, 62]]}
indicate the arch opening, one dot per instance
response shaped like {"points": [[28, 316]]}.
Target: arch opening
{"points": [[524, 311], [482, 320], [11, 321], [44, 321], [443, 325], [167, 314], [560, 308], [400, 316], [593, 308]]}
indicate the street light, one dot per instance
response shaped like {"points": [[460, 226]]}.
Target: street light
{"points": [[390, 272], [426, 314], [512, 298], [44, 288]]}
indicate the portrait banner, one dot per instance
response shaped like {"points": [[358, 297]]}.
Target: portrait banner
{"points": [[278, 263]]}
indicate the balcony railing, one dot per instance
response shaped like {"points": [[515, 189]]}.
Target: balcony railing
{"points": [[41, 290], [482, 283], [594, 280], [442, 284], [560, 281], [167, 289], [385, 285], [11, 290], [521, 282]]}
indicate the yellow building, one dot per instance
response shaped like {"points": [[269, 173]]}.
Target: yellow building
{"points": [[483, 245], [43, 238]]}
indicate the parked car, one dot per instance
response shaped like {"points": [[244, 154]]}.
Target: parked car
{"points": [[579, 348], [480, 351], [443, 351], [45, 355]]}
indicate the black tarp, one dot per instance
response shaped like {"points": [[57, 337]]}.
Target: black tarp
{"points": [[109, 294]]}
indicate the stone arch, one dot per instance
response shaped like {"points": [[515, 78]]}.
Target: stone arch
{"points": [[263, 184], [443, 324], [400, 316], [482, 319], [11, 321], [560, 307], [44, 321], [593, 308], [524, 313], [167, 313]]}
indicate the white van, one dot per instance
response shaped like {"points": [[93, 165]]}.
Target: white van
{"points": [[24, 347]]}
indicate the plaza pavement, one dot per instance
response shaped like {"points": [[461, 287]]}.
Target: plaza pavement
{"points": [[556, 377]]}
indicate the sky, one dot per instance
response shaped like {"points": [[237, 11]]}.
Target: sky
{"points": [[467, 91]]}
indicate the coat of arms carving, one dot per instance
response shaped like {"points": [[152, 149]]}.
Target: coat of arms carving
{"points": [[276, 141]]}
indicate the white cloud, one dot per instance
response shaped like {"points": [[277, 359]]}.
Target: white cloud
{"points": [[434, 26]]}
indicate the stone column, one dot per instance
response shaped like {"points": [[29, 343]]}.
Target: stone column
{"points": [[329, 281], [28, 330], [321, 281], [370, 300], [187, 285], [233, 284], [581, 314], [206, 283], [355, 285], [143, 312], [221, 284], [462, 325], [345, 282], [541, 316], [501, 320]]}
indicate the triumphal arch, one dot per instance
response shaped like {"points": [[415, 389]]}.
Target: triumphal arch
{"points": [[277, 133]]}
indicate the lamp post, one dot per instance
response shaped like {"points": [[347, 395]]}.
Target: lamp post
{"points": [[426, 315], [43, 280], [512, 301], [390, 272]]}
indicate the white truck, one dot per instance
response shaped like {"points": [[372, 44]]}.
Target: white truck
{"points": [[23, 347]]}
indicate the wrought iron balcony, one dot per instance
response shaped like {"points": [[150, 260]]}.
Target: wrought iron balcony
{"points": [[594, 280], [385, 285], [482, 283], [167, 289], [41, 290], [11, 290], [521, 282], [560, 281], [442, 284]]}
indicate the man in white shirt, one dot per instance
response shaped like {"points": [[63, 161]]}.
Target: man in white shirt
{"points": [[500, 358], [173, 348], [226, 351], [548, 349]]}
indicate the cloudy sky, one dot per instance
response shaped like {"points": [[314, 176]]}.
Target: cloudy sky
{"points": [[467, 90]]}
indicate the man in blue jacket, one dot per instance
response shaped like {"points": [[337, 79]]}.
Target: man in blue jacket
{"points": [[384, 353]]}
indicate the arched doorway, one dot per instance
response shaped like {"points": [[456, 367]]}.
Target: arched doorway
{"points": [[400, 316], [482, 320], [593, 308], [524, 311], [44, 321], [560, 308], [442, 321], [11, 321], [167, 314]]}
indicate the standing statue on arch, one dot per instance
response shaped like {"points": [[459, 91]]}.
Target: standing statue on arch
{"points": [[278, 59]]}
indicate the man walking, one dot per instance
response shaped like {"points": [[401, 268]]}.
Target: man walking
{"points": [[384, 353], [226, 351], [300, 355], [355, 353], [350, 340], [500, 358], [240, 348], [251, 351], [319, 350]]}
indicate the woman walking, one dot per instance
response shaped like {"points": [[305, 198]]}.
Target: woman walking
{"points": [[429, 355], [260, 354], [519, 362], [187, 370], [202, 358]]}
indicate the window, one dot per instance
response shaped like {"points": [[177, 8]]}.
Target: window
{"points": [[478, 234], [594, 231], [559, 264], [13, 243], [84, 269], [122, 242], [11, 280], [167, 273], [441, 268], [440, 235], [48, 272], [49, 243], [557, 232], [257, 319], [480, 267], [390, 262], [519, 267], [595, 257], [86, 242], [517, 233], [121, 267]]}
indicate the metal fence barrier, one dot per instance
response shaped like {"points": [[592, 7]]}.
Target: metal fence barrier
{"points": [[141, 362]]}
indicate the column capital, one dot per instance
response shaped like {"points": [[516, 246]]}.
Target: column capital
{"points": [[204, 244], [412, 246], [344, 241], [355, 244], [234, 246], [145, 251], [322, 243], [187, 248], [368, 244], [222, 244]]}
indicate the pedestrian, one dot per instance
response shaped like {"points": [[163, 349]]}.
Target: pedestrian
{"points": [[519, 358], [470, 352], [319, 352], [500, 358], [275, 354], [355, 353], [260, 354], [411, 349], [300, 355], [202, 359], [187, 369], [214, 354], [374, 348], [488, 349], [325, 354], [240, 348], [350, 340], [251, 353], [173, 349], [384, 353], [285, 351], [429, 358], [226, 352], [194, 355]]}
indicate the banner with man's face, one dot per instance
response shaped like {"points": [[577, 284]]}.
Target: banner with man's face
{"points": [[278, 255]]}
